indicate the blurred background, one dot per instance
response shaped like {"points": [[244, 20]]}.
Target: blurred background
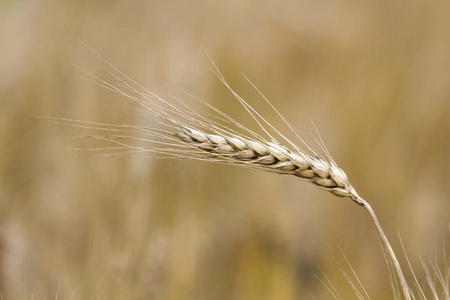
{"points": [[373, 76]]}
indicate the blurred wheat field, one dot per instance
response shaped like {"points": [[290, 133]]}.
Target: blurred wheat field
{"points": [[374, 77]]}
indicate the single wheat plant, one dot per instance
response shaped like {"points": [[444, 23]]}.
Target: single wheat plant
{"points": [[184, 133]]}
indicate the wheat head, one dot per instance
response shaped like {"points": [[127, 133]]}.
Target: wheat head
{"points": [[269, 157]]}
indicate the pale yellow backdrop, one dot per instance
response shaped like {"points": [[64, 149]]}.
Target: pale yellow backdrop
{"points": [[374, 76]]}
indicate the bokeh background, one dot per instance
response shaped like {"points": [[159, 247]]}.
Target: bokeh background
{"points": [[374, 76]]}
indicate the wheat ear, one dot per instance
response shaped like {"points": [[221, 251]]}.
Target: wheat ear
{"points": [[188, 134]]}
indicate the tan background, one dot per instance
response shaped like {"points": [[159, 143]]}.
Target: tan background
{"points": [[374, 76]]}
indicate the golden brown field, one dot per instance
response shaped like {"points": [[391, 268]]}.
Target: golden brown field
{"points": [[374, 76]]}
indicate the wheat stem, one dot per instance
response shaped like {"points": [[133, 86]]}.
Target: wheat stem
{"points": [[387, 245]]}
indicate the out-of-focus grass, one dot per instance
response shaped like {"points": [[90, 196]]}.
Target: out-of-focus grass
{"points": [[374, 77]]}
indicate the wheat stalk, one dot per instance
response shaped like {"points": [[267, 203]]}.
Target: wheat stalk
{"points": [[188, 134]]}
